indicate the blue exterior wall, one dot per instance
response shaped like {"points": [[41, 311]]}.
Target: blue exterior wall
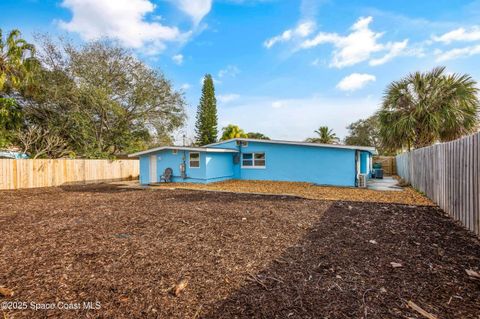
{"points": [[303, 164], [213, 166], [298, 163], [365, 163], [219, 166], [144, 169]]}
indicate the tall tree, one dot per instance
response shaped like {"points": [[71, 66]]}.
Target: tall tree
{"points": [[258, 136], [17, 65], [363, 132], [232, 131], [423, 108], [98, 100], [17, 62], [206, 122], [11, 119], [325, 136], [366, 133]]}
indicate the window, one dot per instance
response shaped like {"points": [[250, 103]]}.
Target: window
{"points": [[253, 160], [242, 143], [194, 160]]}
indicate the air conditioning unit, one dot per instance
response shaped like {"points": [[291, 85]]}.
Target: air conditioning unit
{"points": [[362, 180]]}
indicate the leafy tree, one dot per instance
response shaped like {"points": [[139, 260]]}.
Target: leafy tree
{"points": [[17, 62], [11, 117], [325, 136], [366, 133], [101, 100], [206, 124], [423, 108], [363, 132], [232, 131], [17, 65], [258, 136]]}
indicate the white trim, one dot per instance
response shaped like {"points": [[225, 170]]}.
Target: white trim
{"points": [[153, 168], [351, 147], [183, 148], [190, 160], [253, 161]]}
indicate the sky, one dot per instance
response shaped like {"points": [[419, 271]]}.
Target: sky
{"points": [[280, 67]]}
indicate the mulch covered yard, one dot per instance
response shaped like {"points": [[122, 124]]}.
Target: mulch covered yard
{"points": [[307, 190], [240, 256]]}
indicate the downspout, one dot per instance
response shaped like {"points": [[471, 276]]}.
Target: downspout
{"points": [[183, 166], [357, 159], [240, 161]]}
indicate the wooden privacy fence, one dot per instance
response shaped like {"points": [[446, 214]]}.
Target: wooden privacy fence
{"points": [[448, 174], [388, 164], [29, 173]]}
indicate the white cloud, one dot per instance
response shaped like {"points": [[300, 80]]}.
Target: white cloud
{"points": [[460, 34], [316, 62], [358, 46], [123, 20], [196, 9], [355, 81], [289, 121], [230, 70], [185, 86], [395, 49], [456, 53], [178, 59], [278, 104], [302, 30], [226, 98]]}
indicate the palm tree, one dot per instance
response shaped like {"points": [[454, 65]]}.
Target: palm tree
{"points": [[325, 136], [17, 61], [424, 108], [232, 131]]}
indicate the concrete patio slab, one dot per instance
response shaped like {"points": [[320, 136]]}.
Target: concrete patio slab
{"points": [[388, 183]]}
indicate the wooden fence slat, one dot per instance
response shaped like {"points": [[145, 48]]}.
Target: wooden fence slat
{"points": [[29, 173], [449, 174]]}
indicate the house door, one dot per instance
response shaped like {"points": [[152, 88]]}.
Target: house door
{"points": [[153, 169]]}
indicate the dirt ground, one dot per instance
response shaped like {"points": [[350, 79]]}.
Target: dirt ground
{"points": [[307, 190], [241, 255]]}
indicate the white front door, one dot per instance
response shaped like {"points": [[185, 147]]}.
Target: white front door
{"points": [[153, 169]]}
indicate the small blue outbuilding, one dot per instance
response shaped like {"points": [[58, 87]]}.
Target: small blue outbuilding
{"points": [[252, 159]]}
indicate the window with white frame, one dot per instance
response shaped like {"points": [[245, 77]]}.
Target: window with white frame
{"points": [[254, 160], [194, 159]]}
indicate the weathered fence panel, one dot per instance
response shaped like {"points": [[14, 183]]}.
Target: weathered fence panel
{"points": [[388, 164], [449, 174], [29, 173]]}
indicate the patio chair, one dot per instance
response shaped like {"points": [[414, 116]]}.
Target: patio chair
{"points": [[167, 175]]}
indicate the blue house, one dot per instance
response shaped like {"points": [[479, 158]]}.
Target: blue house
{"points": [[252, 159]]}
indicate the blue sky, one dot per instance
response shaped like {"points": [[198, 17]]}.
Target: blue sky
{"points": [[281, 67]]}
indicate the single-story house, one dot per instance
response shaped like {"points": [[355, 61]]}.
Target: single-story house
{"points": [[252, 159]]}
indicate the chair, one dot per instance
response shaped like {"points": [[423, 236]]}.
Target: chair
{"points": [[167, 175]]}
